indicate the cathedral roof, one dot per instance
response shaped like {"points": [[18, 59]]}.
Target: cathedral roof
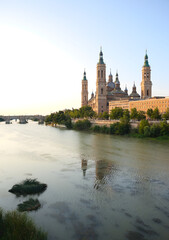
{"points": [[114, 91], [134, 94], [111, 85]]}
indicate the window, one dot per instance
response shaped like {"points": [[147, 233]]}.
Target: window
{"points": [[98, 73], [147, 93], [101, 90], [101, 73]]}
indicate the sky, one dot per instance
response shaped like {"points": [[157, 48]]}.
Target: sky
{"points": [[46, 44]]}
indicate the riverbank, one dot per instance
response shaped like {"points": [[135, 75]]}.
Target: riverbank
{"points": [[15, 225], [158, 130]]}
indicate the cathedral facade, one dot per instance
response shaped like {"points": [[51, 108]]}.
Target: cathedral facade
{"points": [[110, 95]]}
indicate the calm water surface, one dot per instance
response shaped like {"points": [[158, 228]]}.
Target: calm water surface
{"points": [[99, 186]]}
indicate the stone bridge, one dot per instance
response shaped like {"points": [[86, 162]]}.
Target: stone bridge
{"points": [[23, 118]]}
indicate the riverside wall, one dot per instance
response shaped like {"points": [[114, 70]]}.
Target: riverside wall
{"points": [[107, 123], [133, 123]]}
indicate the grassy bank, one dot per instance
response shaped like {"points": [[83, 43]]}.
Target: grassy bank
{"points": [[18, 226]]}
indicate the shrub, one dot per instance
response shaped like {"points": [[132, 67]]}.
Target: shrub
{"points": [[164, 128], [114, 127], [19, 226], [96, 128], [155, 130], [82, 125], [120, 128], [104, 129], [142, 124], [28, 186], [147, 131]]}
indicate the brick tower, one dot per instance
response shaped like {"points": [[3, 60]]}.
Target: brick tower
{"points": [[101, 98], [146, 84], [84, 93]]}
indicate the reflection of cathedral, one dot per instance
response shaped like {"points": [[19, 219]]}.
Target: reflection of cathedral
{"points": [[110, 95], [103, 170]]}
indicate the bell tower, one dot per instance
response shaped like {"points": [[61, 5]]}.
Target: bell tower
{"points": [[84, 93], [101, 99], [146, 84]]}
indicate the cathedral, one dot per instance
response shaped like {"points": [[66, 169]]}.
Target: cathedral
{"points": [[109, 93]]}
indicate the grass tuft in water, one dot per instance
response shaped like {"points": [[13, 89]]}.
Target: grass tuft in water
{"points": [[30, 205], [19, 226], [28, 186]]}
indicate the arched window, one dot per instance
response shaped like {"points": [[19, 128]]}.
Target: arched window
{"points": [[85, 98], [101, 73], [101, 90], [147, 92], [98, 73]]}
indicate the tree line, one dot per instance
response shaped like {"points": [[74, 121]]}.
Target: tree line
{"points": [[121, 127], [116, 113]]}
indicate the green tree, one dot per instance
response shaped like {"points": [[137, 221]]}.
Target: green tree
{"points": [[156, 114], [86, 111], [100, 116], [105, 115], [59, 118], [126, 114], [141, 115], [134, 113], [116, 113], [166, 114], [149, 112]]}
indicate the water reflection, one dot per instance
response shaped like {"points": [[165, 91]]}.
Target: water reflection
{"points": [[100, 186], [103, 171], [84, 166]]}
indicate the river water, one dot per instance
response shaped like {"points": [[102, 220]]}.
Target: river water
{"points": [[99, 186]]}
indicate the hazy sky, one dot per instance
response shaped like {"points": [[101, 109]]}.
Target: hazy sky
{"points": [[46, 44]]}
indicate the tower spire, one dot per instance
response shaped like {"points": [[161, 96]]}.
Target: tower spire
{"points": [[84, 75], [101, 56], [146, 64]]}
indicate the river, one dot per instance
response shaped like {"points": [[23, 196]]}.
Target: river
{"points": [[99, 186]]}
